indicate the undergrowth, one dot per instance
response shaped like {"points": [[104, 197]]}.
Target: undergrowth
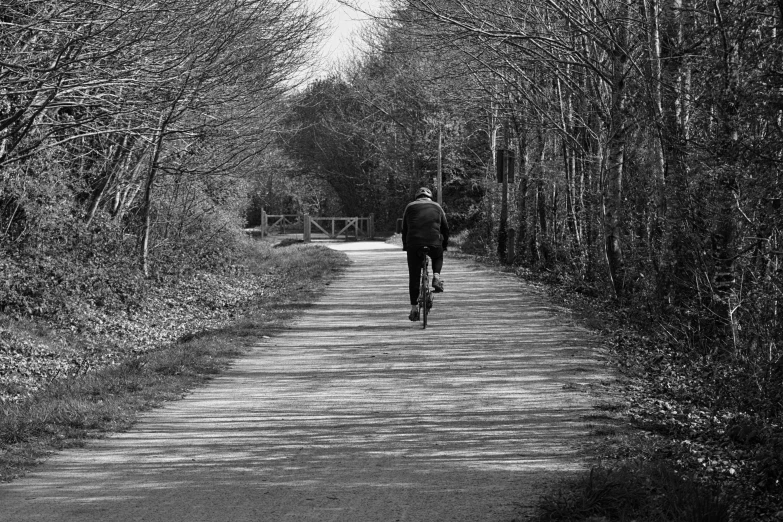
{"points": [[724, 462], [641, 492]]}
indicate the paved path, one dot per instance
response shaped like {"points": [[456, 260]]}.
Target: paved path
{"points": [[354, 414]]}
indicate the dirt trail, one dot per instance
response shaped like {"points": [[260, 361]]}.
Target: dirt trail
{"points": [[354, 414]]}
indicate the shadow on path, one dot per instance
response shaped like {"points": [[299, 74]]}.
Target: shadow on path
{"points": [[353, 414]]}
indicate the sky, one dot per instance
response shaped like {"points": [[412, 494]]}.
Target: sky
{"points": [[345, 24]]}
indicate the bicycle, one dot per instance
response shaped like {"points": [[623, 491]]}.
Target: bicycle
{"points": [[425, 293]]}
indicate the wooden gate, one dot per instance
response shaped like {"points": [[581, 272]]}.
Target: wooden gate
{"points": [[285, 223], [323, 227], [334, 227]]}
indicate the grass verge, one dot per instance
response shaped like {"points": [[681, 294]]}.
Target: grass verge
{"points": [[67, 411]]}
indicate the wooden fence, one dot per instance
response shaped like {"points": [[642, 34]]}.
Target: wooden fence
{"points": [[323, 227], [334, 227], [285, 223]]}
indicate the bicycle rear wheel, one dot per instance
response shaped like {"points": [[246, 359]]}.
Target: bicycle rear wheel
{"points": [[423, 315], [424, 291]]}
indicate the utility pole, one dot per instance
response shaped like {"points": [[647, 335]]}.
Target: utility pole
{"points": [[440, 165]]}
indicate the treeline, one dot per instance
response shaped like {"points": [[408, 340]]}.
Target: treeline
{"points": [[648, 149], [371, 132], [138, 126]]}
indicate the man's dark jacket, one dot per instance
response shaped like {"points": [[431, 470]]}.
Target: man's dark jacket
{"points": [[424, 224]]}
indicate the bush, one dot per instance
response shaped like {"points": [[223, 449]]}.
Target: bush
{"points": [[651, 492], [473, 242]]}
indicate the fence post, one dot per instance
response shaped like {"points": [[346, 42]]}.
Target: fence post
{"points": [[306, 235], [371, 226], [263, 224]]}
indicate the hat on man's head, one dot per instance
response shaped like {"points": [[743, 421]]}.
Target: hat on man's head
{"points": [[423, 191]]}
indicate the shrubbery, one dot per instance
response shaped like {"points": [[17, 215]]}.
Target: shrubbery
{"points": [[79, 302]]}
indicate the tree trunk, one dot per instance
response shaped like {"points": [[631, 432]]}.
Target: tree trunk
{"points": [[521, 195], [490, 180], [117, 158], [676, 116], [652, 10], [728, 153], [503, 226], [539, 239], [569, 162], [127, 195], [615, 160], [147, 203]]}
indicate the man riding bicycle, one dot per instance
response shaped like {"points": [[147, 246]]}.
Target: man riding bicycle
{"points": [[423, 224]]}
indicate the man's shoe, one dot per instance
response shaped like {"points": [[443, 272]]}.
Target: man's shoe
{"points": [[414, 316], [437, 284]]}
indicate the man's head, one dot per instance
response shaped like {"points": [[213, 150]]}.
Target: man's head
{"points": [[423, 192]]}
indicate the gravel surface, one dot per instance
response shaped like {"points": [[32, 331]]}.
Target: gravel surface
{"points": [[355, 414]]}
